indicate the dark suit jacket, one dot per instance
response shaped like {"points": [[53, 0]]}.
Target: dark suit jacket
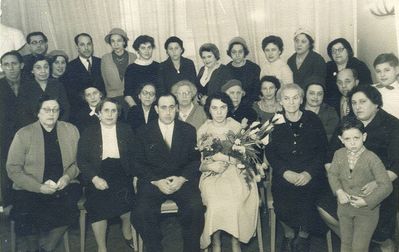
{"points": [[77, 78], [218, 78], [155, 161], [90, 150], [83, 119], [169, 76], [135, 116]]}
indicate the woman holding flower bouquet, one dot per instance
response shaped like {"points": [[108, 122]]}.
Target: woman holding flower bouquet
{"points": [[296, 153], [228, 190]]}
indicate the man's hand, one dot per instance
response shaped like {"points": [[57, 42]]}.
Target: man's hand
{"points": [[369, 188], [290, 176], [63, 182], [163, 186], [47, 189], [357, 201], [343, 197], [175, 182], [303, 179], [100, 183]]}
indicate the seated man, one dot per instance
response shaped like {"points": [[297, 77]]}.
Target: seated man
{"points": [[167, 165]]}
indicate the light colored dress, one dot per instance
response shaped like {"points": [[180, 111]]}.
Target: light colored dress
{"points": [[230, 205]]}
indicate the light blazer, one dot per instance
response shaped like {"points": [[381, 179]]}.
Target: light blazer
{"points": [[114, 86], [155, 161], [90, 150], [25, 163]]}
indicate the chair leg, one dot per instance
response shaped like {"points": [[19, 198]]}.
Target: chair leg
{"points": [[134, 236], [141, 245], [272, 230], [82, 223], [66, 242], [259, 233], [13, 237], [329, 241]]}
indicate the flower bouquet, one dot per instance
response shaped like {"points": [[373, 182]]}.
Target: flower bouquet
{"points": [[244, 147]]}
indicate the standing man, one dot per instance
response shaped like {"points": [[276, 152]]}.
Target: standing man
{"points": [[10, 85], [347, 79], [82, 72], [38, 45], [167, 165]]}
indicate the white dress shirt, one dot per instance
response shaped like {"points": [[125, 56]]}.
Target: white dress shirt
{"points": [[85, 63], [167, 132], [390, 98], [110, 142]]}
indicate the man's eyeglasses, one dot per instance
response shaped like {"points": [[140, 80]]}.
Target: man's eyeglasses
{"points": [[146, 93]]}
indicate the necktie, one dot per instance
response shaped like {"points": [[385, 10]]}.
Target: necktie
{"points": [[345, 107], [89, 66]]}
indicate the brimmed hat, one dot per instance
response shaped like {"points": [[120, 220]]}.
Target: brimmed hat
{"points": [[117, 31], [304, 30], [238, 40], [53, 54], [229, 84]]}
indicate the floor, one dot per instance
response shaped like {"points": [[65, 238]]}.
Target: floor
{"points": [[171, 242]]}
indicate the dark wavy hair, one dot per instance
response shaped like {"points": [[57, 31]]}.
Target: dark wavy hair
{"points": [[350, 122], [209, 47], [389, 58], [274, 40], [370, 92], [12, 53], [222, 97], [271, 79], [36, 33], [344, 42], [142, 39]]}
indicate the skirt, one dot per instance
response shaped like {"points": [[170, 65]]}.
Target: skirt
{"points": [[37, 212], [114, 201]]}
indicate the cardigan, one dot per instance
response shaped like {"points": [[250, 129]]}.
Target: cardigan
{"points": [[367, 168], [25, 163], [197, 116], [218, 78], [312, 65], [114, 86], [168, 75], [333, 96]]}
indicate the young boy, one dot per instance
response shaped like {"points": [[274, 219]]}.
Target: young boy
{"points": [[386, 70], [352, 168]]}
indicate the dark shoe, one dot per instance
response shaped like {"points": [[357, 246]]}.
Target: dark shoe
{"points": [[130, 243], [287, 245], [301, 244]]}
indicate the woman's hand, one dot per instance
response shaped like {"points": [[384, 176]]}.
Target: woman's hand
{"points": [[303, 179], [369, 188], [343, 197], [290, 176], [63, 182], [47, 189], [357, 201], [100, 183]]}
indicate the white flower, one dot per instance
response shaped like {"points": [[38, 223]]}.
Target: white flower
{"points": [[257, 178], [238, 148], [240, 166], [254, 124], [265, 140], [278, 119], [244, 123], [253, 132], [237, 142]]}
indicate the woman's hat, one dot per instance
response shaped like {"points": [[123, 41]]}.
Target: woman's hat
{"points": [[114, 31], [304, 30]]}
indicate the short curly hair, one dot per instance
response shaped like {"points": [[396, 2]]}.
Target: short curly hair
{"points": [[222, 97], [209, 47], [274, 40], [143, 39]]}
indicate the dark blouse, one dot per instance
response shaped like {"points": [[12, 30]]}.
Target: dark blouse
{"points": [[53, 168], [244, 111], [333, 95], [83, 119], [168, 75], [137, 74], [248, 74], [121, 63]]}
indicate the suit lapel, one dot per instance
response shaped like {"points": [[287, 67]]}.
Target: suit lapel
{"points": [[158, 139]]}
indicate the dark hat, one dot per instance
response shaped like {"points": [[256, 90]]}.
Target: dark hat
{"points": [[229, 84], [53, 55], [314, 79], [117, 31]]}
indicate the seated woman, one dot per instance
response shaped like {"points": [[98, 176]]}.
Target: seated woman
{"points": [[37, 87], [144, 112], [143, 70], [314, 94], [231, 205], [243, 69], [305, 62], [87, 115], [189, 110], [58, 60], [296, 153], [273, 47], [176, 67], [105, 158], [42, 166], [213, 74], [383, 139], [268, 105]]}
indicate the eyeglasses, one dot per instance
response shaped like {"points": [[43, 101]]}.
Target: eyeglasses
{"points": [[40, 42], [337, 50], [146, 93], [48, 110], [188, 93]]}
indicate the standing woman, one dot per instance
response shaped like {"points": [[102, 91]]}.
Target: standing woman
{"points": [[305, 62], [58, 60], [341, 54], [176, 67], [243, 69], [267, 105], [143, 70], [213, 75], [105, 158], [314, 94], [296, 153], [231, 205], [114, 64], [37, 87], [273, 47], [42, 165]]}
